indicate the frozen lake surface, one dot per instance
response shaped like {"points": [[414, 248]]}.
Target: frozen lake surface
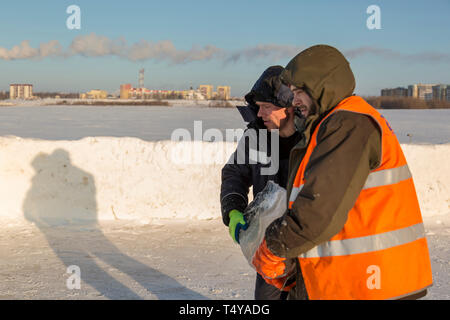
{"points": [[158, 123]]}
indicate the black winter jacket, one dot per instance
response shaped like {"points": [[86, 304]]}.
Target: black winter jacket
{"points": [[238, 177]]}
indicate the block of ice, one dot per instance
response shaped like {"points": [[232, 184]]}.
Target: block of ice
{"points": [[268, 205]]}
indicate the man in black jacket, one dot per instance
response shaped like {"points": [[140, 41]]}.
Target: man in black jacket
{"points": [[270, 106]]}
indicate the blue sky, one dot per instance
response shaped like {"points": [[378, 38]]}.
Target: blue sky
{"points": [[188, 43]]}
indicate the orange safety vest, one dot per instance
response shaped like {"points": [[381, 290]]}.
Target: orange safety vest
{"points": [[381, 252]]}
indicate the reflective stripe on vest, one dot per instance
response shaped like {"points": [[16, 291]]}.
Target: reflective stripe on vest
{"points": [[387, 176], [294, 193], [367, 244], [375, 179]]}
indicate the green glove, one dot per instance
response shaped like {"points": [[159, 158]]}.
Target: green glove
{"points": [[237, 222]]}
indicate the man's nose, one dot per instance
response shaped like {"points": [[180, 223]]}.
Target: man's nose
{"points": [[297, 101]]}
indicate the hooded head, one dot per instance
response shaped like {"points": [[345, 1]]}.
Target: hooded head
{"points": [[324, 73], [270, 91], [269, 88]]}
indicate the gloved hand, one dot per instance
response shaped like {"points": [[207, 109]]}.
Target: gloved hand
{"points": [[237, 222], [269, 265]]}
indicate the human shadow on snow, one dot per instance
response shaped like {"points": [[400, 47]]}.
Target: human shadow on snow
{"points": [[62, 204]]}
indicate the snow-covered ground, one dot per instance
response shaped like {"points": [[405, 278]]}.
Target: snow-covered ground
{"points": [[141, 223], [168, 259], [175, 259]]}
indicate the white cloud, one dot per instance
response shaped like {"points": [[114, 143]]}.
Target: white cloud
{"points": [[264, 51], [22, 51], [93, 45], [393, 55]]}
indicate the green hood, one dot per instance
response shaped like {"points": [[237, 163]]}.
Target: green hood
{"points": [[325, 73]]}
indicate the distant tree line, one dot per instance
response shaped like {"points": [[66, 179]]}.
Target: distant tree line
{"points": [[95, 102], [220, 104], [161, 96], [4, 95], [406, 103], [44, 95]]}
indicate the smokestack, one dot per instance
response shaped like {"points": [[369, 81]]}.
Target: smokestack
{"points": [[141, 78]]}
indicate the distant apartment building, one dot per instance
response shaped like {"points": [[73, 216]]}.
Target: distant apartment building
{"points": [[125, 91], [428, 96], [421, 91], [20, 91], [144, 93], [396, 92], [203, 92], [441, 92], [413, 91], [193, 94], [223, 92], [206, 90], [138, 93], [425, 91], [94, 94]]}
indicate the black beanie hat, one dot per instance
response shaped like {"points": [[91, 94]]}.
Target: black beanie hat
{"points": [[269, 88]]}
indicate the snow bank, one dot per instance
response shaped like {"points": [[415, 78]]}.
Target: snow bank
{"points": [[106, 178], [430, 168]]}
